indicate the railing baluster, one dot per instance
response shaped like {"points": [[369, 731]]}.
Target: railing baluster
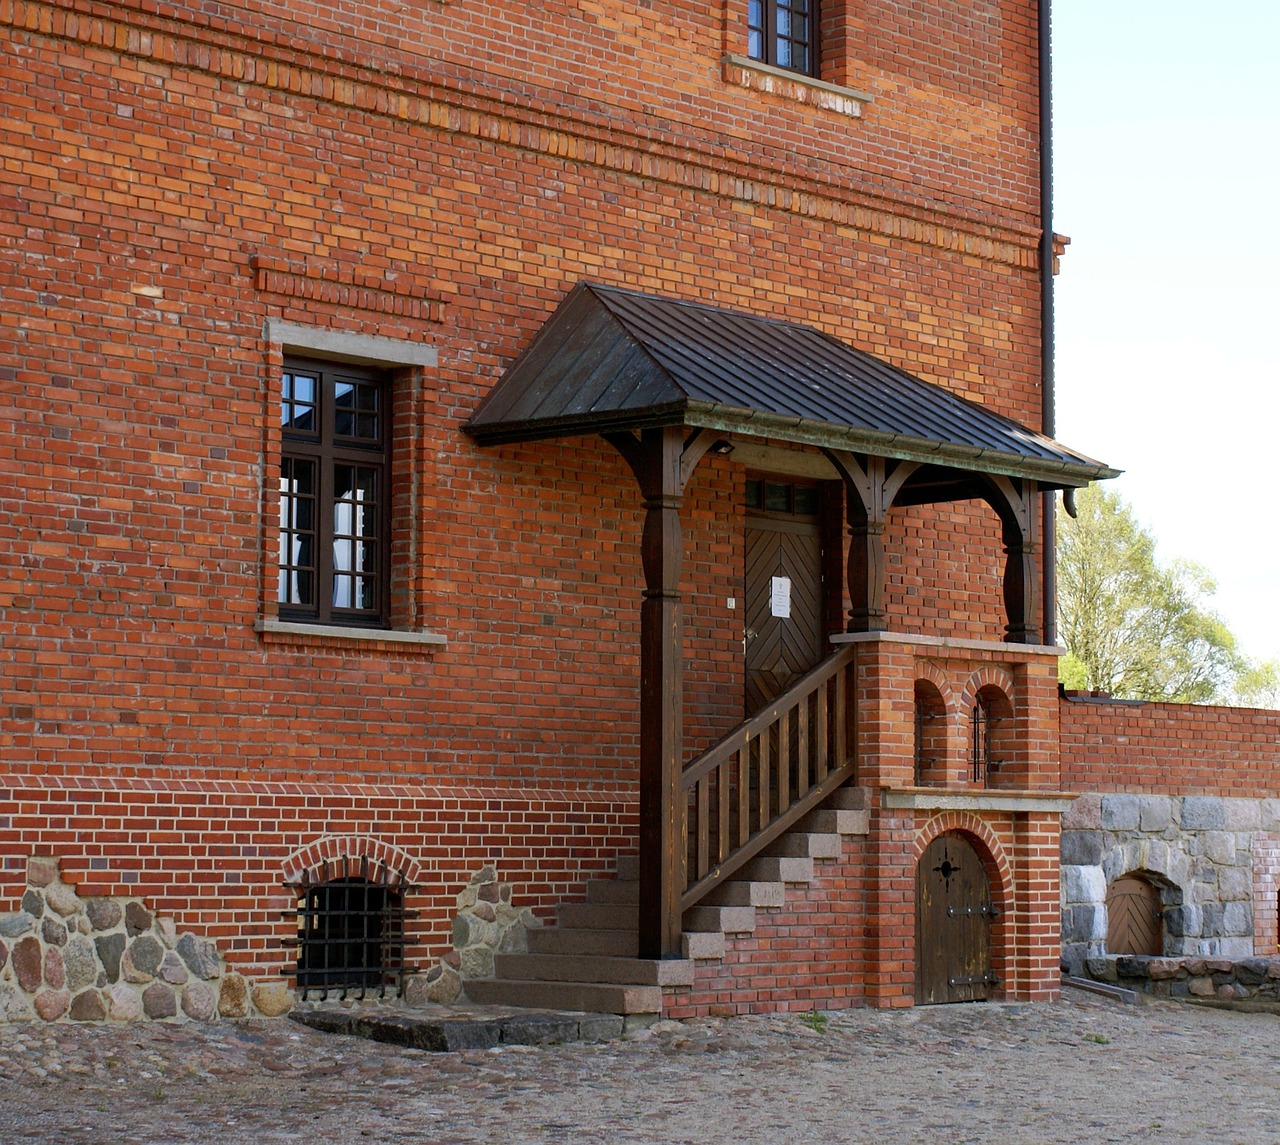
{"points": [[744, 796], [841, 682], [821, 763], [803, 781], [704, 824], [784, 761], [722, 811], [762, 769]]}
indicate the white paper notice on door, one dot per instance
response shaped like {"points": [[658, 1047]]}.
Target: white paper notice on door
{"points": [[780, 597]]}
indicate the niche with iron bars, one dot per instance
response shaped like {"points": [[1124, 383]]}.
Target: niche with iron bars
{"points": [[351, 919], [991, 738]]}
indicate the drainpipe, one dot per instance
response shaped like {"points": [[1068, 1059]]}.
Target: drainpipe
{"points": [[1048, 595]]}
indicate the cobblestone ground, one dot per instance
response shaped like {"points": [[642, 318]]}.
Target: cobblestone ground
{"points": [[1083, 1070]]}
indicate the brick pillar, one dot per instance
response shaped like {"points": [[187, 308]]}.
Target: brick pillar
{"points": [[1036, 933]]}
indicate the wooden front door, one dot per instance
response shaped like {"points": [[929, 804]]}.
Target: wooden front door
{"points": [[954, 914], [783, 596], [1135, 922]]}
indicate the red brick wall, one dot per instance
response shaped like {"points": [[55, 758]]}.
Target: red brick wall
{"points": [[1169, 749], [443, 179]]}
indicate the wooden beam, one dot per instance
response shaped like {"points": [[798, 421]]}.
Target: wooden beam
{"points": [[663, 462]]}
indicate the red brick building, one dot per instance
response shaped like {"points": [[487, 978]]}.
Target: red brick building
{"points": [[360, 563]]}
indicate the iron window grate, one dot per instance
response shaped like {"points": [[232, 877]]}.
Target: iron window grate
{"points": [[351, 930]]}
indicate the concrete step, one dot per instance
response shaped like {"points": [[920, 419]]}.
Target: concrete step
{"points": [[837, 820], [593, 997], [772, 869], [740, 892], [628, 867], [598, 916], [615, 892], [807, 845], [589, 968], [724, 919], [596, 942]]}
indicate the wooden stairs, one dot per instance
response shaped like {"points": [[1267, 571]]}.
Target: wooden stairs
{"points": [[588, 960]]}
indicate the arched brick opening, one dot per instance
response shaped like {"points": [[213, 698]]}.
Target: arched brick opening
{"points": [[932, 757]]}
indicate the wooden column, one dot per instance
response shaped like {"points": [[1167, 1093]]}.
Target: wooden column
{"points": [[662, 461], [1018, 504], [871, 485]]}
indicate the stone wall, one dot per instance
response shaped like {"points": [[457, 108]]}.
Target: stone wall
{"points": [[1249, 978], [1203, 853], [97, 959]]}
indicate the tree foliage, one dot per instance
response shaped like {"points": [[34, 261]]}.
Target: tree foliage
{"points": [[1138, 629]]}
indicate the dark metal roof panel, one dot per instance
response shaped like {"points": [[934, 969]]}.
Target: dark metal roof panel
{"points": [[611, 357]]}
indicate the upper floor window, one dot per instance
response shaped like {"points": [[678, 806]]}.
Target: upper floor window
{"points": [[784, 33], [334, 486]]}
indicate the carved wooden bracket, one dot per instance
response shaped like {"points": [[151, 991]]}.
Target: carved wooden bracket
{"points": [[1017, 502], [871, 484]]}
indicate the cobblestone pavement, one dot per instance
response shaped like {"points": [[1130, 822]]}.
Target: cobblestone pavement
{"points": [[1083, 1070]]}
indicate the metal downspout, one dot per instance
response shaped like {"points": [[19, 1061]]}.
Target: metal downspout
{"points": [[1048, 557]]}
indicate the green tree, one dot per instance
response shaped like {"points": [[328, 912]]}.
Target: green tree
{"points": [[1138, 629]]}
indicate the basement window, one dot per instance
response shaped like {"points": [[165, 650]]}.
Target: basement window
{"points": [[350, 938]]}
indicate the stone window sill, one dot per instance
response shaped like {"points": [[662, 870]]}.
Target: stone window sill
{"points": [[755, 76], [335, 636]]}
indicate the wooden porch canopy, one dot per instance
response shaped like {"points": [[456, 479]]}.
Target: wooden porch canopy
{"points": [[664, 381]]}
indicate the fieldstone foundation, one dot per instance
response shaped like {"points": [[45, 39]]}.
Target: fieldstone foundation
{"points": [[1249, 978], [63, 957], [486, 925]]}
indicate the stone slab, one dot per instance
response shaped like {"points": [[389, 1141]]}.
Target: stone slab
{"points": [[477, 1028]]}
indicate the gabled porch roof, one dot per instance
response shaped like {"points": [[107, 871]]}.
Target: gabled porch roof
{"points": [[612, 360]]}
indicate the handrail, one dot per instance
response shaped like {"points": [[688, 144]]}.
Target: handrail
{"points": [[765, 775]]}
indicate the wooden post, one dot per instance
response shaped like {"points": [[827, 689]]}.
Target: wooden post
{"points": [[663, 461], [1018, 504], [870, 487]]}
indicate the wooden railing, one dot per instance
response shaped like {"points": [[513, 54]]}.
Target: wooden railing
{"points": [[764, 776]]}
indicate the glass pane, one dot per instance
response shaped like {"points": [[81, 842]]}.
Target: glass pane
{"points": [[777, 497], [807, 500], [755, 46], [298, 403], [755, 494], [356, 410], [343, 591], [296, 537], [784, 24]]}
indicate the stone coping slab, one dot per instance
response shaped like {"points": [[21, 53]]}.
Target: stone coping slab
{"points": [[443, 1029]]}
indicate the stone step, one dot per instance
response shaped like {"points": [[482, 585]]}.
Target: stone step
{"points": [[724, 919], [807, 845], [848, 798], [772, 869], [596, 942], [591, 968], [592, 997], [601, 916], [703, 946], [615, 892], [841, 822], [740, 892], [628, 867]]}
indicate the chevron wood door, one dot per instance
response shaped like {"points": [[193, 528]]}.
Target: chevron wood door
{"points": [[787, 547], [1134, 919]]}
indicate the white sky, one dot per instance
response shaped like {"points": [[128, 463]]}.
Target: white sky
{"points": [[1167, 180]]}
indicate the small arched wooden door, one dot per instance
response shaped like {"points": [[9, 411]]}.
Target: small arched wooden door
{"points": [[1135, 921], [954, 913]]}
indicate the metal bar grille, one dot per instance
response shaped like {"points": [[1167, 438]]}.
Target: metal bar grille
{"points": [[351, 929]]}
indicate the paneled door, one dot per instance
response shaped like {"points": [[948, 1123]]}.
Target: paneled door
{"points": [[954, 914]]}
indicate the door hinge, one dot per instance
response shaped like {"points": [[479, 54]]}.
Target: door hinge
{"points": [[987, 979], [985, 910]]}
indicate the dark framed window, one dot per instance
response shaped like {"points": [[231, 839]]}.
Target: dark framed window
{"points": [[784, 33], [334, 554]]}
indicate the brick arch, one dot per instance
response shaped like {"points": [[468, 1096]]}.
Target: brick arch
{"points": [[989, 846], [346, 856], [932, 674], [988, 676]]}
